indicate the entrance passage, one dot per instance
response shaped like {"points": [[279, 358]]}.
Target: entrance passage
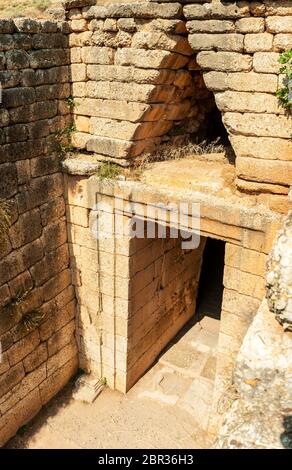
{"points": [[211, 281], [183, 376]]}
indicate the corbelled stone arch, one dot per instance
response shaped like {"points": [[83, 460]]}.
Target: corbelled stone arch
{"points": [[238, 46], [134, 81]]}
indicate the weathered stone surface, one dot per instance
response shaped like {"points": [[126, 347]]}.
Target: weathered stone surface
{"points": [[269, 125], [217, 10], [250, 25], [279, 24], [11, 378], [221, 42], [263, 147], [37, 357], [269, 171], [258, 42], [152, 40], [248, 102], [213, 26], [150, 59], [282, 42], [97, 55], [224, 61], [250, 82], [279, 284], [26, 229], [266, 62]]}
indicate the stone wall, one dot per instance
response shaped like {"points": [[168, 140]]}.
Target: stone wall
{"points": [[135, 81], [163, 287], [139, 82], [238, 47], [134, 294], [37, 299], [108, 328]]}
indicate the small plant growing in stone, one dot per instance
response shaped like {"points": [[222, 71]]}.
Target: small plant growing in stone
{"points": [[109, 171], [70, 102], [5, 218], [63, 138], [33, 319], [19, 297], [285, 93], [103, 381]]}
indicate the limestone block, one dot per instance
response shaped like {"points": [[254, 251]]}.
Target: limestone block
{"points": [[61, 338], [49, 41], [10, 378], [266, 62], [54, 383], [75, 55], [56, 284], [80, 39], [279, 24], [213, 26], [21, 414], [112, 109], [7, 26], [70, 4], [221, 42], [265, 198], [4, 364], [150, 59], [242, 305], [228, 320], [17, 59], [78, 215], [63, 315], [248, 102], [258, 42], [152, 40], [52, 210], [128, 131], [78, 72], [26, 229], [224, 61], [264, 147], [249, 81], [54, 235], [246, 260], [49, 58], [283, 42], [250, 25], [217, 10], [30, 382], [78, 25], [269, 125], [269, 171], [97, 55], [54, 262], [119, 91], [129, 74], [278, 8], [140, 10], [23, 347], [244, 283], [59, 359], [8, 180], [15, 97], [35, 358]]}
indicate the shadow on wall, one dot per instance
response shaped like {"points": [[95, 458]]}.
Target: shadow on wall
{"points": [[137, 85]]}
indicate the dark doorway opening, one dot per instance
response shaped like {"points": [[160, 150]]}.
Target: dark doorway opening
{"points": [[211, 281]]}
